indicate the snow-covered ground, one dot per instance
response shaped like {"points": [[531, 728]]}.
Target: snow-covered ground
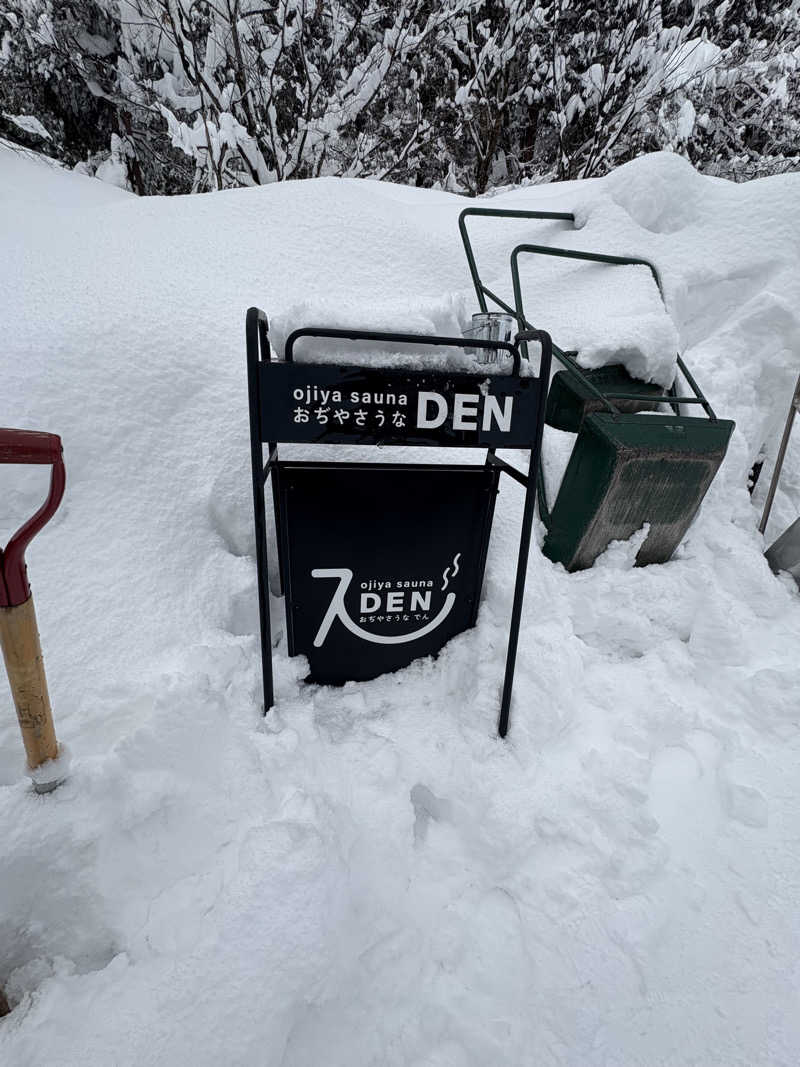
{"points": [[369, 876]]}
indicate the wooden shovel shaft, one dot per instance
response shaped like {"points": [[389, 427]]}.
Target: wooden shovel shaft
{"points": [[22, 652]]}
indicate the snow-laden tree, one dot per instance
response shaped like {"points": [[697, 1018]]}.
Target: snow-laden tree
{"points": [[173, 95], [43, 105], [496, 89], [256, 92], [611, 65], [740, 115]]}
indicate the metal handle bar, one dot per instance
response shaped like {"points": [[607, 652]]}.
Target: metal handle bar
{"points": [[497, 213], [599, 257], [482, 291], [507, 213], [592, 257], [400, 338], [656, 399], [27, 446]]}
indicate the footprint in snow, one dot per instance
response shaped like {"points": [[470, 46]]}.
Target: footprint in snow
{"points": [[427, 806], [746, 805]]}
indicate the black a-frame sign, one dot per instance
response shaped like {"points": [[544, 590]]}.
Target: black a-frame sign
{"points": [[382, 563]]}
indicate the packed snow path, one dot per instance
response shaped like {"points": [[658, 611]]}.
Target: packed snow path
{"points": [[368, 876]]}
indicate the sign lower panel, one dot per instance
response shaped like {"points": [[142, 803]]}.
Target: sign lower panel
{"points": [[381, 563]]}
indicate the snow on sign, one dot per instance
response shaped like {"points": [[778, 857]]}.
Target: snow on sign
{"points": [[382, 564]]}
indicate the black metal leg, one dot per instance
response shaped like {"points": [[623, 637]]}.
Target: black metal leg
{"points": [[534, 469], [262, 569], [519, 596], [255, 318], [276, 510]]}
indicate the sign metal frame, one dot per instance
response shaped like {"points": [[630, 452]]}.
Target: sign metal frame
{"points": [[270, 381]]}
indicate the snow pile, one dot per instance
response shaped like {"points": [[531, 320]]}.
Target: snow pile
{"points": [[30, 124], [369, 876]]}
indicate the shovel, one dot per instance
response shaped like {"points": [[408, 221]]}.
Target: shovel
{"points": [[19, 636]]}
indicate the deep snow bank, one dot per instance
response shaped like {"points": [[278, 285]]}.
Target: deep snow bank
{"points": [[369, 876]]}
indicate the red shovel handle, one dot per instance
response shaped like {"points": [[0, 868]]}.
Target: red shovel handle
{"points": [[28, 446]]}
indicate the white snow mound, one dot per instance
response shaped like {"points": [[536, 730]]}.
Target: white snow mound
{"points": [[369, 876]]}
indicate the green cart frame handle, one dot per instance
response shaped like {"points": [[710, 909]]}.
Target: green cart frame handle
{"points": [[623, 261], [566, 358], [481, 291]]}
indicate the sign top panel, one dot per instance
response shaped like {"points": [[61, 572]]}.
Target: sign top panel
{"points": [[331, 404]]}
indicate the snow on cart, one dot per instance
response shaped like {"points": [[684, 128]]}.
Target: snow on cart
{"points": [[638, 458]]}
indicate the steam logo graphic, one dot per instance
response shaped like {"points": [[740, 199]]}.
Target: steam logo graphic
{"points": [[337, 609], [456, 558]]}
